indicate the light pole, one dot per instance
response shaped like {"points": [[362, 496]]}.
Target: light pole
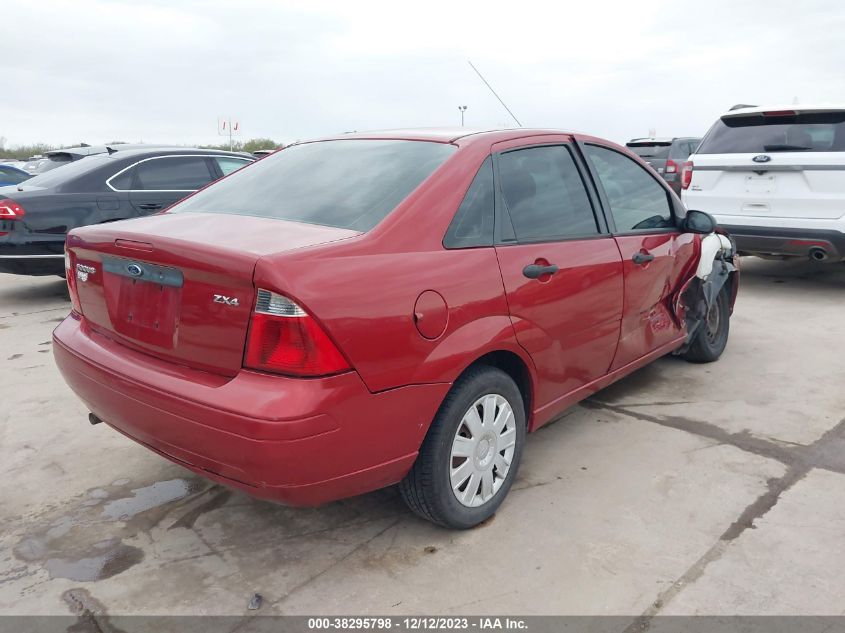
{"points": [[462, 110]]}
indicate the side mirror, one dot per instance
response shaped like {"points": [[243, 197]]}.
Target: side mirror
{"points": [[699, 222]]}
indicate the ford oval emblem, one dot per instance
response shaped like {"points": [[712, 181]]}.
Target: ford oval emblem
{"points": [[762, 158], [135, 270]]}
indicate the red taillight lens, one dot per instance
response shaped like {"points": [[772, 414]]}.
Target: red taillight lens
{"points": [[284, 339], [671, 167], [686, 174], [10, 210], [70, 277]]}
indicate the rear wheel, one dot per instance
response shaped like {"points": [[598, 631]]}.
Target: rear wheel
{"points": [[470, 457], [712, 335]]}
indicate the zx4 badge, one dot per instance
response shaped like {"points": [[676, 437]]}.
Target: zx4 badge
{"points": [[229, 301]]}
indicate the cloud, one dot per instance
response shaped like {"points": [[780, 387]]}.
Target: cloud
{"points": [[98, 71]]}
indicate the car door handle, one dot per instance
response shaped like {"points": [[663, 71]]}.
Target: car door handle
{"points": [[150, 207], [642, 257], [533, 271]]}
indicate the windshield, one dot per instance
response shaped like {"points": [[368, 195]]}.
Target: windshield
{"points": [[757, 133], [650, 150], [351, 184]]}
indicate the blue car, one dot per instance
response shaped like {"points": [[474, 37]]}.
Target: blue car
{"points": [[12, 175]]}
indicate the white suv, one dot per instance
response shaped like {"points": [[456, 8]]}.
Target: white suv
{"points": [[774, 178]]}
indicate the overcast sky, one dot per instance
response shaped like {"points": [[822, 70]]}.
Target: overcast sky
{"points": [[162, 71]]}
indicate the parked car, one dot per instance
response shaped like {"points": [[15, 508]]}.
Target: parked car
{"points": [[10, 175], [774, 176], [58, 157], [397, 307], [36, 214], [665, 155]]}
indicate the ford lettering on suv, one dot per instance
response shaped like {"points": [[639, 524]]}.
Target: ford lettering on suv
{"points": [[389, 308]]}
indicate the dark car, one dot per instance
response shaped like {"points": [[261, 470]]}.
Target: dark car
{"points": [[665, 155], [12, 175], [58, 157], [36, 214]]}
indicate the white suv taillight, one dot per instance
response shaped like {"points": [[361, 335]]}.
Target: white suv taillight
{"points": [[284, 339]]}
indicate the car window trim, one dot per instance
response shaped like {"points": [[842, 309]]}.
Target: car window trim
{"points": [[675, 212], [499, 201], [144, 160]]}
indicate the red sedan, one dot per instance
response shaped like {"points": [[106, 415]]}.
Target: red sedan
{"points": [[398, 307]]}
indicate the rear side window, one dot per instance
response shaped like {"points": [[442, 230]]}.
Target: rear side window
{"points": [[545, 194], [228, 165], [650, 150], [350, 184], [637, 201], [473, 221], [173, 173], [759, 133]]}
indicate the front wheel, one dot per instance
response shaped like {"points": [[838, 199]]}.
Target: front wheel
{"points": [[470, 457], [712, 335]]}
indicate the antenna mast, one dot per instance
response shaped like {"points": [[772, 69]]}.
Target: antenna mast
{"points": [[486, 83]]}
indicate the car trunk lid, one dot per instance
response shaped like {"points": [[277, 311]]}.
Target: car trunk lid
{"points": [[180, 286]]}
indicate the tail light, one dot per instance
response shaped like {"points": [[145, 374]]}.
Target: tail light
{"points": [[70, 277], [686, 174], [284, 339], [671, 167], [10, 210]]}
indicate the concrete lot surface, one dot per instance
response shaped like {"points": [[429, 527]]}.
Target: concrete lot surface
{"points": [[683, 489]]}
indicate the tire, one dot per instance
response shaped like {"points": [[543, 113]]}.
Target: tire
{"points": [[427, 489], [712, 336]]}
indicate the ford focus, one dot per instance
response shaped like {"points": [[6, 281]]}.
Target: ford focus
{"points": [[389, 308]]}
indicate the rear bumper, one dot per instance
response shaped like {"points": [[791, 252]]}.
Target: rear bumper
{"points": [[31, 258], [787, 242], [301, 442]]}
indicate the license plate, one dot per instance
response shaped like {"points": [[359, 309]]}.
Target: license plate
{"points": [[145, 308], [760, 184]]}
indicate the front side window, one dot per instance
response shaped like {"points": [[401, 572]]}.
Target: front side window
{"points": [[173, 173], [637, 201], [545, 195], [351, 183]]}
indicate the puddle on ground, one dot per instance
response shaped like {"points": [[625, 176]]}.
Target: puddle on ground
{"points": [[149, 497], [87, 543]]}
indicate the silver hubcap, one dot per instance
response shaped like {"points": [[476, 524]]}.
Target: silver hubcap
{"points": [[482, 450]]}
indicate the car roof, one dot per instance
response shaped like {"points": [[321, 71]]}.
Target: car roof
{"points": [[665, 139], [168, 151], [461, 135], [792, 107]]}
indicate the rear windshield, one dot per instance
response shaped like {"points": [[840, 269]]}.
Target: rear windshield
{"points": [[753, 134], [64, 171], [351, 184], [650, 150]]}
